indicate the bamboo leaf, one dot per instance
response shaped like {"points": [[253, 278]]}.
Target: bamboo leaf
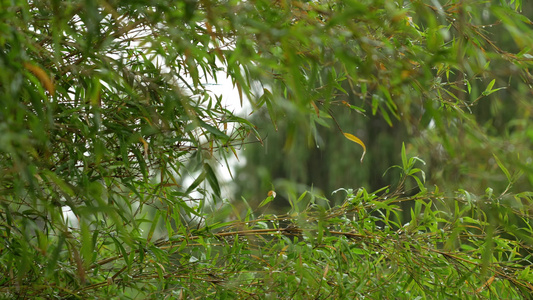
{"points": [[355, 139], [212, 179], [491, 84], [154, 225], [196, 183], [317, 111], [266, 201], [502, 167], [271, 196], [42, 76], [213, 130], [404, 158]]}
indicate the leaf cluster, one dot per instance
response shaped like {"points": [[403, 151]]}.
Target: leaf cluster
{"points": [[110, 138]]}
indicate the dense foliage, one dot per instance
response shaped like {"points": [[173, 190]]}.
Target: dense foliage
{"points": [[110, 139], [458, 84]]}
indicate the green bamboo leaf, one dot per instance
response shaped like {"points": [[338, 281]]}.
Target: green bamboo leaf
{"points": [[61, 184], [121, 248], [363, 89], [270, 198], [502, 167], [196, 183], [491, 84], [404, 158], [385, 115], [213, 130], [87, 243], [489, 89], [51, 266], [154, 222], [212, 179]]}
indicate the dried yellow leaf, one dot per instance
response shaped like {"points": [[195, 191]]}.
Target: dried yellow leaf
{"points": [[145, 145], [42, 76], [355, 139], [317, 111]]}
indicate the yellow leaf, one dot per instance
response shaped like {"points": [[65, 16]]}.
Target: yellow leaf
{"points": [[355, 139], [283, 250], [145, 144], [42, 76], [317, 111], [234, 153]]}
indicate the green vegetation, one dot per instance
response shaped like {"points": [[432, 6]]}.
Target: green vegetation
{"points": [[110, 141]]}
